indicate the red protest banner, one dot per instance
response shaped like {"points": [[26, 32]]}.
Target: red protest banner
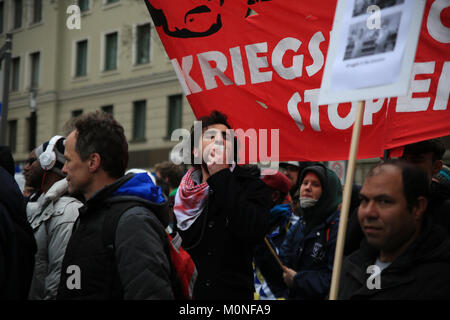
{"points": [[264, 71], [424, 113]]}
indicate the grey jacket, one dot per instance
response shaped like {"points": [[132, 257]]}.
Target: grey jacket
{"points": [[147, 277], [52, 217]]}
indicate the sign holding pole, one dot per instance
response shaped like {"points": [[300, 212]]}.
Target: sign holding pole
{"points": [[371, 54], [346, 202], [274, 254]]}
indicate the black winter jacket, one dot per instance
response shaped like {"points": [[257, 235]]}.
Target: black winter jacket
{"points": [[312, 256], [221, 241], [17, 243], [421, 272], [136, 266], [439, 204]]}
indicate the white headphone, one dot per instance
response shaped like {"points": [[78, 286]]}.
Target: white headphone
{"points": [[48, 158]]}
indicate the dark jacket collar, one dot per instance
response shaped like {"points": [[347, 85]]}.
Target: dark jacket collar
{"points": [[105, 197], [432, 244], [324, 225], [107, 191]]}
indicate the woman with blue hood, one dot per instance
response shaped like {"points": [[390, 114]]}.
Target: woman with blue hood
{"points": [[307, 253]]}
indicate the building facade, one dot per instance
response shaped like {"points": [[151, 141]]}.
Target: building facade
{"points": [[114, 62]]}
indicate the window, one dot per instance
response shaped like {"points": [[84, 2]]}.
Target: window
{"points": [[139, 120], [37, 11], [35, 61], [2, 9], [76, 113], [81, 58], [174, 119], [143, 44], [12, 135], [15, 74], [18, 9], [84, 5], [108, 109], [111, 51]]}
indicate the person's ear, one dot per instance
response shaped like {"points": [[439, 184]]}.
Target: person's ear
{"points": [[437, 166], [94, 162], [420, 207]]}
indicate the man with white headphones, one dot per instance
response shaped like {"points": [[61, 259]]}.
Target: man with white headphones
{"points": [[52, 217]]}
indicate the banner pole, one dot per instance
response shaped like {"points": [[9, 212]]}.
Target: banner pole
{"points": [[273, 253], [346, 202]]}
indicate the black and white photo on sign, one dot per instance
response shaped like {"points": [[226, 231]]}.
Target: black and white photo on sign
{"points": [[371, 55], [362, 5], [363, 41]]}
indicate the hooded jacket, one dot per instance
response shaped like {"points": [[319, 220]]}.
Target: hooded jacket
{"points": [[52, 217], [329, 200], [310, 243], [135, 266], [421, 272], [17, 244]]}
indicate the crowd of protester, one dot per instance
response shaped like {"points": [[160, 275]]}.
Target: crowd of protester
{"points": [[250, 234]]}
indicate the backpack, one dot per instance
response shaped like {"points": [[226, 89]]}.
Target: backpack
{"points": [[183, 272]]}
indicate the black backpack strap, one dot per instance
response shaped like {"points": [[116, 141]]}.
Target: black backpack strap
{"points": [[116, 210], [109, 234], [112, 220]]}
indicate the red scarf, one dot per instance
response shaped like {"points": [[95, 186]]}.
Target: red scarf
{"points": [[190, 199]]}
